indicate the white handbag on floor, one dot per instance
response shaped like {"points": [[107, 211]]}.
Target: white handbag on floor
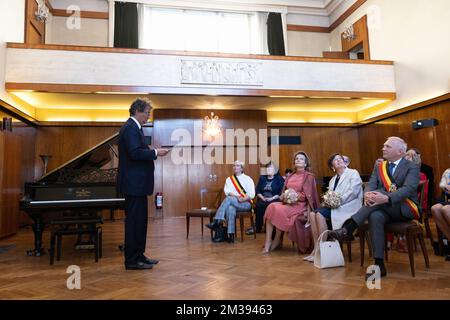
{"points": [[328, 253]]}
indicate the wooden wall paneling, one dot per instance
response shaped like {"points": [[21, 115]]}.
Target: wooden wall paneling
{"points": [[432, 142], [28, 139], [65, 143], [48, 141], [442, 133], [191, 177], [319, 144], [10, 183], [176, 188]]}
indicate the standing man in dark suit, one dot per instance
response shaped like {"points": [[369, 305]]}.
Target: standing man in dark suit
{"points": [[135, 182], [391, 196]]}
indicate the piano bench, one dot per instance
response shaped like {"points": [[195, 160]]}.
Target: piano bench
{"points": [[56, 237]]}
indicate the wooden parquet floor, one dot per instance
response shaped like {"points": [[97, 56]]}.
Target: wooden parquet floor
{"points": [[198, 269]]}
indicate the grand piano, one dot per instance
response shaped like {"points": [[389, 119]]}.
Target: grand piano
{"points": [[85, 185]]}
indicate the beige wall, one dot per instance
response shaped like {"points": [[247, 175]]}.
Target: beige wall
{"points": [[92, 32], [308, 44], [414, 34]]}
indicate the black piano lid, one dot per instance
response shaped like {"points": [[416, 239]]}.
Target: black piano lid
{"points": [[89, 162]]}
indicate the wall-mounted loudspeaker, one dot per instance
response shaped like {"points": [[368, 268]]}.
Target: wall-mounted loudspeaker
{"points": [[425, 123]]}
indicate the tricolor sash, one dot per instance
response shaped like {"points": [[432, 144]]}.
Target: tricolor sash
{"points": [[239, 188], [390, 186]]}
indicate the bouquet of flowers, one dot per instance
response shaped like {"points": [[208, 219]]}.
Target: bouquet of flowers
{"points": [[331, 199], [290, 196]]}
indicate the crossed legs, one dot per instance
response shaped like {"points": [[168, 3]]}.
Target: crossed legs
{"points": [[441, 215]]}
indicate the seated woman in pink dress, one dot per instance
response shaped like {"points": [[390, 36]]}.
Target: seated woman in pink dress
{"points": [[284, 217]]}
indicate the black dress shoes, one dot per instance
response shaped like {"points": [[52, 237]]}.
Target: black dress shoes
{"points": [[338, 234], [146, 260], [138, 266], [447, 257], [230, 238], [213, 225]]}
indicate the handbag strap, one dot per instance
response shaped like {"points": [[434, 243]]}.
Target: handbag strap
{"points": [[322, 235]]}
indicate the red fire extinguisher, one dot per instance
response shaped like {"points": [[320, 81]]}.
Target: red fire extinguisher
{"points": [[158, 200]]}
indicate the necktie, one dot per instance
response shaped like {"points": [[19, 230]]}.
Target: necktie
{"points": [[391, 168]]}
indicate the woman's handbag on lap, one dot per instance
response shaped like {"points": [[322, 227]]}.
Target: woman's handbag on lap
{"points": [[328, 253]]}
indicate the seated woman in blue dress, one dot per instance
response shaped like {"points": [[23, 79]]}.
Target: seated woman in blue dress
{"points": [[267, 191]]}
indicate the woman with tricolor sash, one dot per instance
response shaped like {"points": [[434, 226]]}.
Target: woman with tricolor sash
{"points": [[239, 190]]}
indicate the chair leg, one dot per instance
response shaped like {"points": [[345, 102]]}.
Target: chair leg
{"points": [[202, 226], [410, 244], [415, 244], [96, 246], [100, 242], [386, 255], [361, 246], [241, 222], [52, 248], [369, 244], [429, 234], [58, 247], [440, 242], [424, 250], [187, 227], [210, 221], [252, 221], [349, 250]]}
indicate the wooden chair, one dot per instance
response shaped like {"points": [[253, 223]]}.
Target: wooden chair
{"points": [[245, 214], [209, 212], [79, 225], [412, 230]]}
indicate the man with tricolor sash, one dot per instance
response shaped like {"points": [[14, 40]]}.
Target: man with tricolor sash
{"points": [[391, 196], [239, 192]]}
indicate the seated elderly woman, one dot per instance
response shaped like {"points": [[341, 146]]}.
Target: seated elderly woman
{"points": [[239, 190], [441, 211], [299, 193], [346, 185], [268, 190]]}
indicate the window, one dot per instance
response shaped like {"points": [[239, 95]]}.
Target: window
{"points": [[208, 31]]}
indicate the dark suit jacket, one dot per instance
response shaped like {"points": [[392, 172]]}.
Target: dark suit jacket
{"points": [[136, 167], [407, 178]]}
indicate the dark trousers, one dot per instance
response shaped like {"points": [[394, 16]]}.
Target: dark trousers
{"points": [[260, 209], [378, 216], [135, 228]]}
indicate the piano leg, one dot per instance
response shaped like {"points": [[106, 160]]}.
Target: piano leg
{"points": [[38, 228]]}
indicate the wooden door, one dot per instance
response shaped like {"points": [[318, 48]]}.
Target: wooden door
{"points": [[34, 29]]}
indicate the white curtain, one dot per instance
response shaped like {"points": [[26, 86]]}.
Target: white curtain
{"points": [[259, 33], [207, 31]]}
